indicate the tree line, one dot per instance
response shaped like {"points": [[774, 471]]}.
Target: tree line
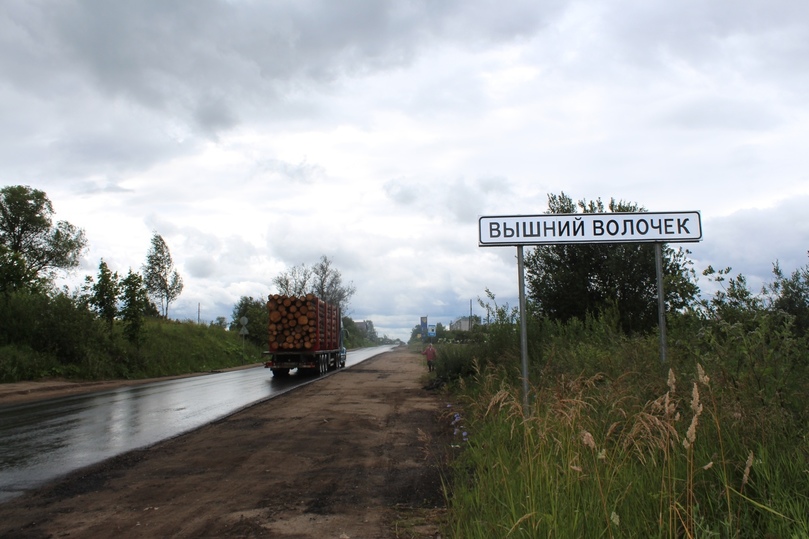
{"points": [[618, 281], [34, 249], [323, 280], [44, 329]]}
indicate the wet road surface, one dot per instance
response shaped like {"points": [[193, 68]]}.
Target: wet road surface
{"points": [[42, 440]]}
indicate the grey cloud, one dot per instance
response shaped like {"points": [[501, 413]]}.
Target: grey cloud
{"points": [[200, 266], [238, 251], [468, 200], [402, 191], [161, 54], [161, 225], [91, 148], [112, 86], [214, 114], [728, 36], [304, 172], [461, 199], [202, 254], [715, 113], [91, 187], [752, 240]]}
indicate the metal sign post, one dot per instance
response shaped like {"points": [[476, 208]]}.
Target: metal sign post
{"points": [[661, 300], [523, 329], [243, 332]]}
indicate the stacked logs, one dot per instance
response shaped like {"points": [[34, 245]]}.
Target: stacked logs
{"points": [[300, 323]]}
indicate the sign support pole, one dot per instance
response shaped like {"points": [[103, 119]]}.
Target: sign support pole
{"points": [[523, 329], [661, 301]]}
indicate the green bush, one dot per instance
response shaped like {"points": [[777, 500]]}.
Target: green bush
{"points": [[454, 361], [57, 335], [23, 363]]}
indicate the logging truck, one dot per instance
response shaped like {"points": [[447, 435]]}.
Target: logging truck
{"points": [[305, 333]]}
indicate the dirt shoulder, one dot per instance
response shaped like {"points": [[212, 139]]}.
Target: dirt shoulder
{"points": [[355, 455]]}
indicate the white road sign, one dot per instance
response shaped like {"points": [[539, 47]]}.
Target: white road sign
{"points": [[560, 228]]}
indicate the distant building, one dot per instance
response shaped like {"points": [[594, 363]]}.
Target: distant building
{"points": [[364, 325], [461, 324], [366, 329]]}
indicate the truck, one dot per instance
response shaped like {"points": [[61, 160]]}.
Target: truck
{"points": [[305, 333]]}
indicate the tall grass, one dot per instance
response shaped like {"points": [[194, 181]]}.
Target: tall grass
{"points": [[616, 445]]}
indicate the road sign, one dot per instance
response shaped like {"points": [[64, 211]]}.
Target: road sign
{"points": [[567, 228], [562, 228]]}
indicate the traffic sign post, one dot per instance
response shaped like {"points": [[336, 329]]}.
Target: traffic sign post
{"points": [[243, 332], [572, 228]]}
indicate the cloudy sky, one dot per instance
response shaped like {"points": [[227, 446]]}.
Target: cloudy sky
{"points": [[254, 136]]}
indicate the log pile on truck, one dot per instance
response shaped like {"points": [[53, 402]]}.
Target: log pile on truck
{"points": [[305, 333]]}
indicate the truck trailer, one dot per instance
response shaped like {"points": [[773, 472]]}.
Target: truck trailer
{"points": [[305, 333]]}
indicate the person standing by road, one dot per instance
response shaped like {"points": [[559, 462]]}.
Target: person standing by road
{"points": [[430, 352]]}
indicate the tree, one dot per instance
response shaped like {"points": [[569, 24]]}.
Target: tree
{"points": [[220, 322], [13, 272], [258, 318], [574, 281], [32, 248], [135, 306], [104, 293], [791, 296], [294, 282], [322, 280], [162, 281], [328, 284]]}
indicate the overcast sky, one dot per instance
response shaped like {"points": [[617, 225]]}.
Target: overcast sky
{"points": [[255, 136]]}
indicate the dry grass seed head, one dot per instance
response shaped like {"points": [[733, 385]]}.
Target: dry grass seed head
{"points": [[701, 376], [747, 466], [695, 404], [587, 440], [668, 406], [570, 410], [649, 434], [664, 406], [425, 440], [594, 380], [499, 400], [615, 426], [691, 434], [672, 381]]}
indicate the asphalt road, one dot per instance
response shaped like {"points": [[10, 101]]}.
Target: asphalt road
{"points": [[42, 440]]}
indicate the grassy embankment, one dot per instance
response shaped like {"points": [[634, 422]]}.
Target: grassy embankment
{"points": [[715, 443], [166, 348]]}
